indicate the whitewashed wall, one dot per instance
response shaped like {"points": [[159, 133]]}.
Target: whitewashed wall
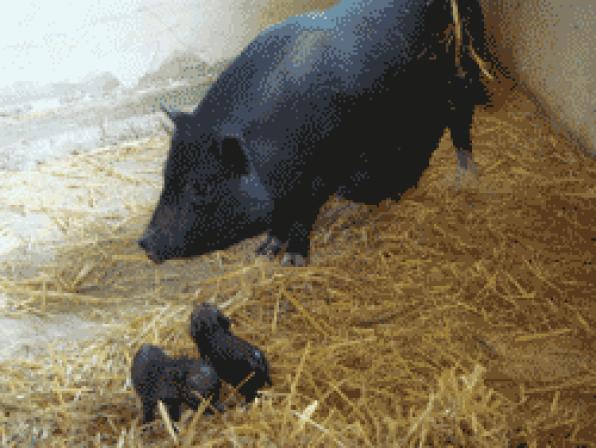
{"points": [[550, 47]]}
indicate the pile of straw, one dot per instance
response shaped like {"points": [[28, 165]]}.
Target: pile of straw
{"points": [[449, 318]]}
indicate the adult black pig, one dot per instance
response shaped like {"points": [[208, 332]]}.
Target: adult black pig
{"points": [[352, 100]]}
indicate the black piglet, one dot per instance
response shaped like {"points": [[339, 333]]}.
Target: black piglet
{"points": [[233, 358], [156, 376]]}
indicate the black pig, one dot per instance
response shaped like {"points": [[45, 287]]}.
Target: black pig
{"points": [[352, 100], [156, 376], [233, 358]]}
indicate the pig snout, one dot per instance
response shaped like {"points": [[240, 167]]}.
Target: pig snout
{"points": [[145, 243]]}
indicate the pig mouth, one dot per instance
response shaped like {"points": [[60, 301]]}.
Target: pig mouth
{"points": [[152, 255], [154, 258]]}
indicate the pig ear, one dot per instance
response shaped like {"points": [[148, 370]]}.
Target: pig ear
{"points": [[172, 114], [233, 156]]}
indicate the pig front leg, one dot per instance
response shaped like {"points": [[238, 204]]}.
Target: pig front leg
{"points": [[293, 220], [298, 246], [278, 235], [303, 210]]}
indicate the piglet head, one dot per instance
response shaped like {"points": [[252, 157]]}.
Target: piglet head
{"points": [[207, 319]]}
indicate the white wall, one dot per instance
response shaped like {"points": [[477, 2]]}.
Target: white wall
{"points": [[550, 47], [43, 42]]}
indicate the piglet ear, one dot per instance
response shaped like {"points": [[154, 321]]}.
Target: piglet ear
{"points": [[233, 156]]}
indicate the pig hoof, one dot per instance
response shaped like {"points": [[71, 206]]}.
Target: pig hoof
{"points": [[465, 176], [271, 247], [293, 259]]}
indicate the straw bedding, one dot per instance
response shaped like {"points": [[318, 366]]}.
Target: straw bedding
{"points": [[449, 318]]}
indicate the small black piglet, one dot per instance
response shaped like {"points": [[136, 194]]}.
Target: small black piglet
{"points": [[233, 358], [156, 376]]}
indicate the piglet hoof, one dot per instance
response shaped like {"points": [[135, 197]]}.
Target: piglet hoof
{"points": [[215, 408], [271, 247], [293, 259]]}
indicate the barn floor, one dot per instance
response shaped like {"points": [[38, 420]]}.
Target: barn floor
{"points": [[449, 318]]}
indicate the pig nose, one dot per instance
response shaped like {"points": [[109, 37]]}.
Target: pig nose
{"points": [[142, 242]]}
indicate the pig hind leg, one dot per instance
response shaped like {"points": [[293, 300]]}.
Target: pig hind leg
{"points": [[249, 392], [459, 120], [466, 88], [174, 409], [149, 410], [460, 123]]}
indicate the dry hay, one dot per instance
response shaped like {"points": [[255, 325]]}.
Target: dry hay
{"points": [[445, 319]]}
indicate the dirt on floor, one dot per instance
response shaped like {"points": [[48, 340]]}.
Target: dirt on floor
{"points": [[449, 318]]}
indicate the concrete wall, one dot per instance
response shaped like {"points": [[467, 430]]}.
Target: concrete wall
{"points": [[550, 47]]}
